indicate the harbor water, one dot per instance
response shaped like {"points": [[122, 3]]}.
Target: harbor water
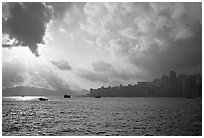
{"points": [[75, 116]]}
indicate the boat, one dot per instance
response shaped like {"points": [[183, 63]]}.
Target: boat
{"points": [[43, 99], [97, 96], [67, 96]]}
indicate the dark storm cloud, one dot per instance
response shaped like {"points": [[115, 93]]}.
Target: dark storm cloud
{"points": [[60, 8], [61, 64], [6, 45], [26, 23]]}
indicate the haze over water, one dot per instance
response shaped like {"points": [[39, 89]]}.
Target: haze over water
{"points": [[104, 116]]}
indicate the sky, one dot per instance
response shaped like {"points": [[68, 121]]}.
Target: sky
{"points": [[89, 45]]}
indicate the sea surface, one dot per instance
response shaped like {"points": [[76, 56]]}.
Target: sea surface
{"points": [[86, 116]]}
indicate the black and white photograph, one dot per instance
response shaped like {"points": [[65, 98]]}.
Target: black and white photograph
{"points": [[101, 68]]}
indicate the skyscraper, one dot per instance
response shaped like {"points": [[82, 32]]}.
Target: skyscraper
{"points": [[172, 76]]}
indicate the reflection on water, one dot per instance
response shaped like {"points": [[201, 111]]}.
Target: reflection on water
{"points": [[104, 116], [22, 98]]}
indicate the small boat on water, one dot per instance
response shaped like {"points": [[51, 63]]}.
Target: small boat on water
{"points": [[67, 96], [97, 96], [43, 99]]}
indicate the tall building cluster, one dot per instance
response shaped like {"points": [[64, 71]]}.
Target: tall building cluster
{"points": [[182, 85]]}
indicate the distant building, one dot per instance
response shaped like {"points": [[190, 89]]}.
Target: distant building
{"points": [[172, 76], [187, 86], [197, 85], [165, 80], [157, 83], [165, 90], [182, 82], [172, 86], [144, 84]]}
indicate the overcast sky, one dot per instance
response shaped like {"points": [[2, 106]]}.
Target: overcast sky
{"points": [[88, 45]]}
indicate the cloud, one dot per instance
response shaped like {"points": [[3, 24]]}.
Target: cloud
{"points": [[93, 76], [60, 9], [103, 72], [104, 20], [61, 64], [149, 38], [181, 32], [181, 56], [94, 23], [166, 37], [11, 74], [130, 33], [121, 47], [67, 15], [101, 66], [20, 73], [26, 23]]}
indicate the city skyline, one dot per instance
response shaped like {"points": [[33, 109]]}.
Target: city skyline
{"points": [[76, 46], [173, 85]]}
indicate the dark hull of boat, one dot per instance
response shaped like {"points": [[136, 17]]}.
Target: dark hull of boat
{"points": [[67, 96], [43, 99]]}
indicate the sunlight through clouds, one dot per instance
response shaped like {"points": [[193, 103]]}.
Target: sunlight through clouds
{"points": [[148, 39]]}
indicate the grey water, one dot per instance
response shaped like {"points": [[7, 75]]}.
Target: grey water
{"points": [[75, 116]]}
